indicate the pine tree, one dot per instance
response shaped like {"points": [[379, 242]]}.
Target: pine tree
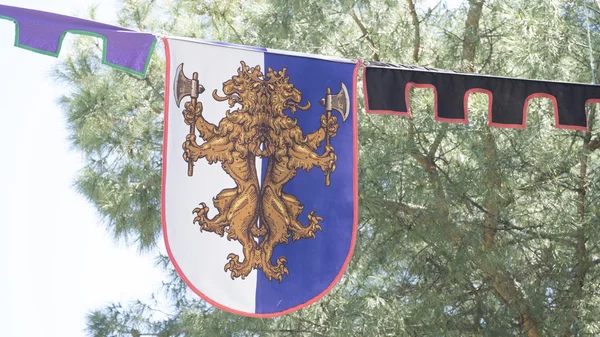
{"points": [[464, 230]]}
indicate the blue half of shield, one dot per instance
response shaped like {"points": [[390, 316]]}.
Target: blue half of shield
{"points": [[315, 264]]}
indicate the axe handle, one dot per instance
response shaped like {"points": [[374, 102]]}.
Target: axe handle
{"points": [[328, 99], [190, 170], [327, 142]]}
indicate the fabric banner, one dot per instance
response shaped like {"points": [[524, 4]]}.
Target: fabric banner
{"points": [[387, 90], [43, 32], [259, 174]]}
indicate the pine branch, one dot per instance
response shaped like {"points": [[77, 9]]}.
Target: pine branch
{"points": [[408, 209], [438, 140], [239, 37], [366, 34], [429, 166], [488, 59], [594, 144]]}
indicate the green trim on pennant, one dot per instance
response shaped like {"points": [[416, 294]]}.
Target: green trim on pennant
{"points": [[141, 74]]}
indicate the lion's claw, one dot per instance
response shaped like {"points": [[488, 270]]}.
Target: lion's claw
{"points": [[330, 125], [205, 223], [237, 269], [276, 271], [328, 159], [190, 114], [201, 213], [190, 147], [310, 230]]}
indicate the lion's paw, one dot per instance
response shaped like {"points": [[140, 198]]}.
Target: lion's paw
{"points": [[330, 125], [190, 113], [191, 150], [237, 268], [328, 159], [205, 223], [276, 271], [201, 213], [310, 230]]}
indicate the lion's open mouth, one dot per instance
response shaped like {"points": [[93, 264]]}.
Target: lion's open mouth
{"points": [[234, 99]]}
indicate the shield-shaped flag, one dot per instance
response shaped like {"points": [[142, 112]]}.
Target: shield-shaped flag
{"points": [[259, 174]]}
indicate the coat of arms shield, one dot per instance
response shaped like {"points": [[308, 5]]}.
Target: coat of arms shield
{"points": [[259, 174]]}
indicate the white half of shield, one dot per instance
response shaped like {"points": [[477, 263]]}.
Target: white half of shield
{"points": [[201, 256]]}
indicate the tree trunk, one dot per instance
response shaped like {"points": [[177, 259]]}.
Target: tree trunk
{"points": [[417, 31], [504, 284], [471, 38], [582, 264]]}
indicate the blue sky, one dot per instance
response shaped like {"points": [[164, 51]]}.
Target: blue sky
{"points": [[56, 260]]}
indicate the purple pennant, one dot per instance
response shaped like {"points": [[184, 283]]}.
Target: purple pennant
{"points": [[43, 32]]}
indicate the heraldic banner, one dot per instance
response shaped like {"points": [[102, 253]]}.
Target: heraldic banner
{"points": [[387, 91], [259, 174]]}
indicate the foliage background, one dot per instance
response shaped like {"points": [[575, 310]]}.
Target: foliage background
{"points": [[464, 230]]}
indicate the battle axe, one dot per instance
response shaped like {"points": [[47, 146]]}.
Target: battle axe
{"points": [[339, 102], [187, 87]]}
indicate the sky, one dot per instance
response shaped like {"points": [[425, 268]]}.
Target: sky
{"points": [[57, 262]]}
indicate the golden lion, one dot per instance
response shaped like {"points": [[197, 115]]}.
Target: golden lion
{"points": [[258, 217]]}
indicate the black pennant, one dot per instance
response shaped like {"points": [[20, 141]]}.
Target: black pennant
{"points": [[387, 89]]}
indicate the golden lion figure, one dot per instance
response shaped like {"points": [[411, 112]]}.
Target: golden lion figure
{"points": [[258, 217]]}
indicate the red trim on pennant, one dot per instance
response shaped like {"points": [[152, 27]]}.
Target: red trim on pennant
{"points": [[490, 120], [542, 95], [587, 122], [410, 85], [163, 201], [466, 102]]}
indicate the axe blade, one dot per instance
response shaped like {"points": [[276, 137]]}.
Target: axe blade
{"points": [[341, 102], [182, 86]]}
